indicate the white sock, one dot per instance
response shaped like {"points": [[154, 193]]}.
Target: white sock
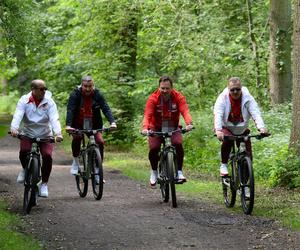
{"points": [[76, 160], [224, 165]]}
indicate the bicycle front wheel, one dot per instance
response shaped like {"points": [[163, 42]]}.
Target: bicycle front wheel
{"points": [[96, 173], [171, 177], [247, 185], [30, 185], [82, 177], [164, 185], [229, 186]]}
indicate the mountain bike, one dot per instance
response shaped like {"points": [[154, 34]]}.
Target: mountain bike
{"points": [[241, 176], [90, 162], [167, 166], [32, 172]]}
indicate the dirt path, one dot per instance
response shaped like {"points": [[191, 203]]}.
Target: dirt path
{"points": [[130, 215]]}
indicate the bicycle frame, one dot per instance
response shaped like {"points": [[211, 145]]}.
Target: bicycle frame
{"points": [[235, 157], [165, 149], [34, 152], [85, 150]]}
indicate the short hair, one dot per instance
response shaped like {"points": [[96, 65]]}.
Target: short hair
{"points": [[36, 82], [86, 78], [165, 79], [234, 79]]}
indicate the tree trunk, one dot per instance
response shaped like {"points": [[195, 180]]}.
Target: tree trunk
{"points": [[280, 75], [295, 131]]}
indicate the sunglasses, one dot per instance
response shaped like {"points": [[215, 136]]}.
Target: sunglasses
{"points": [[235, 90], [165, 88], [42, 89]]}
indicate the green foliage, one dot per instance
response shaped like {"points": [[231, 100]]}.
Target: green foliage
{"points": [[8, 103]]}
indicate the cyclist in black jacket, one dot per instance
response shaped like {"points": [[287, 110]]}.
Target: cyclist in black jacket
{"points": [[84, 112]]}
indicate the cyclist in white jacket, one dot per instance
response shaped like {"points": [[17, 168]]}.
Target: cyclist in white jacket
{"points": [[38, 113], [232, 111]]}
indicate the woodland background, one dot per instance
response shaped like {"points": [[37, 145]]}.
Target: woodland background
{"points": [[127, 45]]}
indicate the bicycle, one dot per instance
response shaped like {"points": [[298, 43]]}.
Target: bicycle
{"points": [[32, 172], [241, 179], [90, 163], [167, 166]]}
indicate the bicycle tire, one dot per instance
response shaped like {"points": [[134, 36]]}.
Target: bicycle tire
{"points": [[171, 177], [164, 185], [82, 178], [30, 185], [229, 186], [95, 162], [247, 180]]}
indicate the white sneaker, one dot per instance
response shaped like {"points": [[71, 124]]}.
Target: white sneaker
{"points": [[21, 176], [180, 176], [75, 166], [153, 178], [247, 192], [43, 190], [223, 169]]}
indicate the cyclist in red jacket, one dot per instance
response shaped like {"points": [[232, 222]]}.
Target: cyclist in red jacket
{"points": [[162, 113]]}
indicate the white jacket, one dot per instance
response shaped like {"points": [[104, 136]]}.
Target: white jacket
{"points": [[249, 109], [37, 121]]}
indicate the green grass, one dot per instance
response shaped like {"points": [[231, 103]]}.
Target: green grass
{"points": [[279, 204], [10, 238]]}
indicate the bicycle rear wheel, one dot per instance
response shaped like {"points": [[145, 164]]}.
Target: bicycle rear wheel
{"points": [[82, 178], [30, 185], [171, 170], [96, 173], [229, 186], [247, 185], [164, 185]]}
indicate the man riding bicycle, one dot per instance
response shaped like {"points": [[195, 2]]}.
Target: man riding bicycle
{"points": [[162, 113], [39, 115], [232, 112], [83, 112]]}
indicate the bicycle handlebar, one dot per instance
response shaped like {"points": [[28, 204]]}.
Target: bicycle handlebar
{"points": [[245, 137], [87, 131], [166, 134], [35, 139]]}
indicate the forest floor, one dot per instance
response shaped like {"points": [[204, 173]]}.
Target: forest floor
{"points": [[130, 215]]}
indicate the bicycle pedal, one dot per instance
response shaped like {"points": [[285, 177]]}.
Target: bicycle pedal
{"points": [[177, 181]]}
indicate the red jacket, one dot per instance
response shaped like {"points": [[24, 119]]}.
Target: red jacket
{"points": [[156, 110]]}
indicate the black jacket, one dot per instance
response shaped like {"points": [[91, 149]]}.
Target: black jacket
{"points": [[76, 102]]}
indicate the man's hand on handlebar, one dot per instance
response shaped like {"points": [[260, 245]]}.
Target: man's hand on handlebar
{"points": [[58, 138], [69, 129], [220, 135], [113, 125], [263, 131], [145, 132], [189, 127], [14, 132]]}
